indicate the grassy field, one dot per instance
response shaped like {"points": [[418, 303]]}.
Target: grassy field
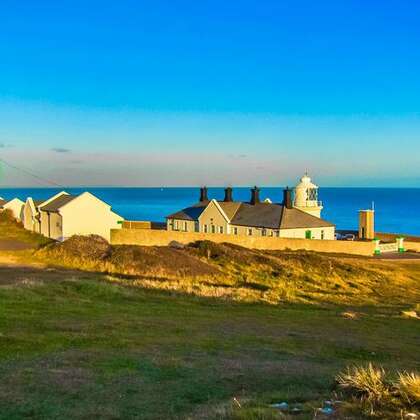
{"points": [[204, 332]]}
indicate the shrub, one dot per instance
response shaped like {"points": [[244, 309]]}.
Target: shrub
{"points": [[407, 387], [209, 250], [6, 216], [366, 382], [92, 247]]}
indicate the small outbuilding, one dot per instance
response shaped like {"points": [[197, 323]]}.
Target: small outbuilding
{"points": [[15, 206], [83, 214], [31, 212]]}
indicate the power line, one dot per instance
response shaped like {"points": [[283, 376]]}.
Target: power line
{"points": [[42, 180]]}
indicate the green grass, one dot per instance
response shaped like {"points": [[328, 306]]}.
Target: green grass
{"points": [[80, 347], [165, 333], [11, 230]]}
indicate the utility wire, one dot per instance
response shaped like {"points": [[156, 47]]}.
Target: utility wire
{"points": [[40, 179]]}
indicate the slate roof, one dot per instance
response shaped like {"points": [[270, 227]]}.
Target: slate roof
{"points": [[55, 205], [190, 213], [230, 207], [2, 202], [261, 215], [38, 202], [294, 218]]}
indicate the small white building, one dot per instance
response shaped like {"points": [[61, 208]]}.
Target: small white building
{"points": [[15, 206], [31, 212], [83, 214]]}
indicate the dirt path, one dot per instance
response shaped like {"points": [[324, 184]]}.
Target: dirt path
{"points": [[399, 256]]}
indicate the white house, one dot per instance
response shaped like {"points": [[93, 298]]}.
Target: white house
{"points": [[31, 212], [83, 214], [15, 206], [298, 218]]}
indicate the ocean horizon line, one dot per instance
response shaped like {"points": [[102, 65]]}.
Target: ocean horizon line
{"points": [[192, 186]]}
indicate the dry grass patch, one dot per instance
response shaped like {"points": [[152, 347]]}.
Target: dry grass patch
{"points": [[378, 394], [365, 382], [232, 272], [408, 387]]}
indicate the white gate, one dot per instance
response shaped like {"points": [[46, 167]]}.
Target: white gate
{"points": [[397, 246], [388, 247]]}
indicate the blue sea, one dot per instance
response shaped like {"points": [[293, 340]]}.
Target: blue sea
{"points": [[397, 209]]}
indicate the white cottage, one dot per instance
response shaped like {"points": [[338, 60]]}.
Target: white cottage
{"points": [[293, 218], [83, 214]]}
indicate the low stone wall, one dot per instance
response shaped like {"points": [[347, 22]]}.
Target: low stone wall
{"points": [[147, 237], [139, 224], [391, 237], [412, 246]]}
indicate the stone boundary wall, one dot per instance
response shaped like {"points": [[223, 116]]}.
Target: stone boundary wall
{"points": [[391, 237], [127, 224], [412, 246], [147, 237]]}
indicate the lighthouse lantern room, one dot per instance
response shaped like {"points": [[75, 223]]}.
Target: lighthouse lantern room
{"points": [[306, 197]]}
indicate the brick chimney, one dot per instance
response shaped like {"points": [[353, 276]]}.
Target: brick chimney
{"points": [[287, 198], [203, 194], [228, 195], [255, 195]]}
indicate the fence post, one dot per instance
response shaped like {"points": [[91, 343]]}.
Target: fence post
{"points": [[400, 244], [377, 248]]}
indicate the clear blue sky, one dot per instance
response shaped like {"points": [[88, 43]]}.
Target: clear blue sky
{"points": [[191, 92]]}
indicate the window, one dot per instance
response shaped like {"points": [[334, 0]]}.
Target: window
{"points": [[205, 228], [196, 227], [250, 232], [264, 232], [185, 226], [213, 229], [312, 194], [308, 234], [277, 233], [175, 224], [322, 234], [235, 230], [221, 229]]}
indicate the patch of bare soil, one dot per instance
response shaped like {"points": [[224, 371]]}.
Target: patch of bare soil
{"points": [[159, 261], [22, 275], [14, 245]]}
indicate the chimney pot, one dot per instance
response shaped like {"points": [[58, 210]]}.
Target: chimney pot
{"points": [[203, 194], [287, 198], [228, 194], [255, 195]]}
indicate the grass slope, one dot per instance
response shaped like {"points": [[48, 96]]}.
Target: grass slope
{"points": [[81, 344]]}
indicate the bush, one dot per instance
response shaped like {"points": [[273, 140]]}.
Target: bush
{"points": [[366, 382], [92, 247], [6, 216]]}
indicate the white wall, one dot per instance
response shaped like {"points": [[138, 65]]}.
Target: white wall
{"points": [[29, 213], [316, 233], [16, 206], [87, 215]]}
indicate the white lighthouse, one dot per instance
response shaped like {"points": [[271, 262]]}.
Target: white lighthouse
{"points": [[306, 197]]}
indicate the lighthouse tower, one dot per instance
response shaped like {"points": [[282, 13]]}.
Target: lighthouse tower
{"points": [[306, 197]]}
